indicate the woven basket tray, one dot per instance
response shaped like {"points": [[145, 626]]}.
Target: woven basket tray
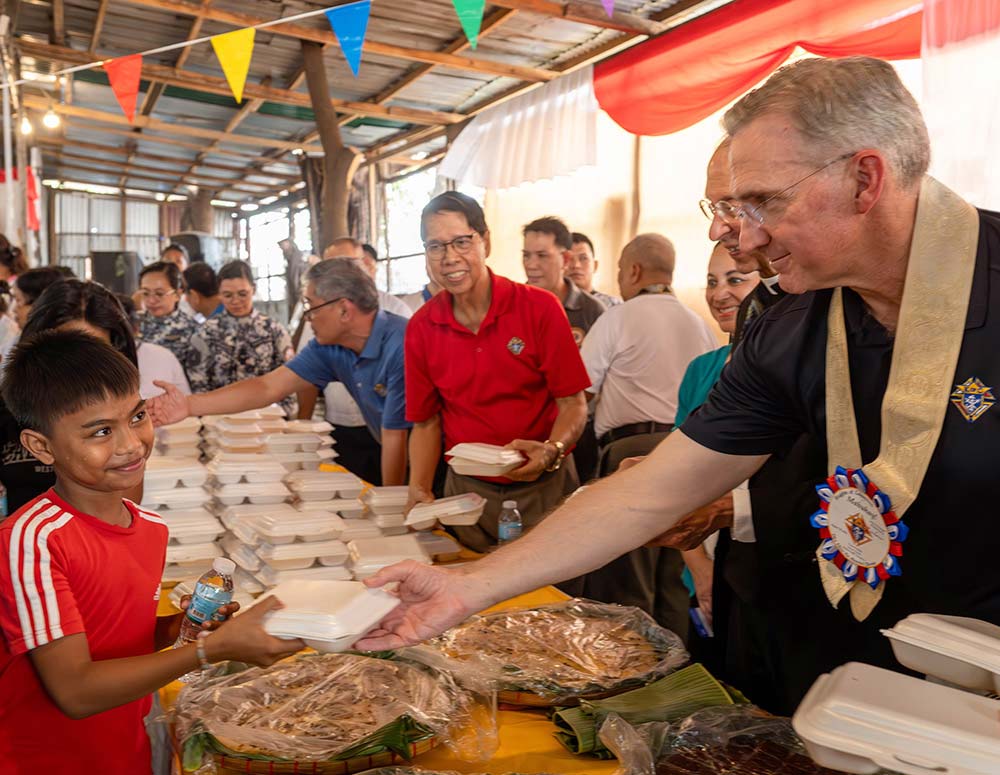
{"points": [[231, 765]]}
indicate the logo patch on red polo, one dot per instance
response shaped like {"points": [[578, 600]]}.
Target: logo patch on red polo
{"points": [[515, 345]]}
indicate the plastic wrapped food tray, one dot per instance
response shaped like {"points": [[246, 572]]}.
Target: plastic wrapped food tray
{"points": [[558, 654], [257, 494], [316, 711]]}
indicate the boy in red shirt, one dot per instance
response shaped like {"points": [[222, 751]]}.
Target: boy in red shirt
{"points": [[80, 573]]}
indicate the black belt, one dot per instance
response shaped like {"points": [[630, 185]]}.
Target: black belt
{"points": [[634, 429]]}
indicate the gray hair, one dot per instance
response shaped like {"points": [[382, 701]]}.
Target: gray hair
{"points": [[652, 252], [844, 105], [342, 279]]}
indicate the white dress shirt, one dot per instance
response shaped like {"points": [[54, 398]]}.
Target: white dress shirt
{"points": [[636, 354], [158, 363]]}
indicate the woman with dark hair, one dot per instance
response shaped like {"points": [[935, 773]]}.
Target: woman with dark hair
{"points": [[29, 286], [238, 343], [12, 260], [67, 305], [163, 322]]}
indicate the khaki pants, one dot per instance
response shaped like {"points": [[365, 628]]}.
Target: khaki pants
{"points": [[534, 501], [647, 578]]}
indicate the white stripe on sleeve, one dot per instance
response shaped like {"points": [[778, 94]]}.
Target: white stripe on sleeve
{"points": [[16, 575], [45, 570]]}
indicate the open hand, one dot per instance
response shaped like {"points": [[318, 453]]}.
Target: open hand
{"points": [[170, 407], [432, 601]]}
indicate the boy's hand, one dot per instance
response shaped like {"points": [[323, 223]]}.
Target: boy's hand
{"points": [[224, 613], [245, 640], [170, 407]]}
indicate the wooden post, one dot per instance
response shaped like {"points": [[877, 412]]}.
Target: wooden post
{"points": [[202, 214], [339, 162]]}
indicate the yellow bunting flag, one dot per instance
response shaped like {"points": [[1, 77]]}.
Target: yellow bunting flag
{"points": [[234, 50]]}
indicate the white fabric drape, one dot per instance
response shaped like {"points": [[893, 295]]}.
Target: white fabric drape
{"points": [[548, 132], [960, 53]]}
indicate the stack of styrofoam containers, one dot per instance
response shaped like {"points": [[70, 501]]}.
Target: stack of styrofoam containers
{"points": [[303, 445], [173, 487], [386, 506], [370, 555], [181, 439]]}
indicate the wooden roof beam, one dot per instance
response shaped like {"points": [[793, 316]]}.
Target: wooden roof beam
{"points": [[166, 175], [326, 36], [73, 164], [95, 36], [590, 13], [119, 150], [187, 79], [145, 122]]}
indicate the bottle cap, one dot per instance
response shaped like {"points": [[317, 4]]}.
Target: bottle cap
{"points": [[510, 504], [224, 566]]}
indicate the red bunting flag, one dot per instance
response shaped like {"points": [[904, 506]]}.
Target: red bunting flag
{"points": [[123, 75]]}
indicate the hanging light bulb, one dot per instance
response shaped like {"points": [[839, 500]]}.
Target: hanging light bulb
{"points": [[26, 128], [50, 119]]}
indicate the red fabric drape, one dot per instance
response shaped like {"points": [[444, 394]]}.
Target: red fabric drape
{"points": [[685, 75]]}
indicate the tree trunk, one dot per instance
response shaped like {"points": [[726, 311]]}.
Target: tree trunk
{"points": [[340, 162]]}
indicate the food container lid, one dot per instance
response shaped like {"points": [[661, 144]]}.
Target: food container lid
{"points": [[955, 649], [269, 576], [308, 426], [234, 514], [389, 520], [193, 552], [248, 417], [227, 427], [383, 497], [249, 490], [298, 524], [327, 610], [245, 557], [177, 498], [435, 545], [360, 528], [178, 438], [261, 465], [491, 454], [386, 550], [859, 717], [187, 425], [300, 550], [447, 507]]}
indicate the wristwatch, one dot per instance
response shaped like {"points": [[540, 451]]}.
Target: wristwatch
{"points": [[560, 454]]}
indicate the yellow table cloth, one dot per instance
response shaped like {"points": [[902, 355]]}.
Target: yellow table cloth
{"points": [[527, 738]]}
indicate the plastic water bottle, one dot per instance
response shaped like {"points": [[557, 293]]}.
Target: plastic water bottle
{"points": [[213, 590], [509, 523]]}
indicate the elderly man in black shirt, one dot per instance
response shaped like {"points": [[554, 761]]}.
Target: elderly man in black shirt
{"points": [[888, 355]]}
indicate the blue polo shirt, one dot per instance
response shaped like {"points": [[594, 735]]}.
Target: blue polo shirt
{"points": [[374, 378]]}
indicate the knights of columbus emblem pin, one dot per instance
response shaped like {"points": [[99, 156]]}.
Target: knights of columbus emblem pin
{"points": [[973, 399], [515, 345]]}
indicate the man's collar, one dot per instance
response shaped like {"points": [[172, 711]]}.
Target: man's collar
{"points": [[442, 305], [574, 296], [373, 345]]}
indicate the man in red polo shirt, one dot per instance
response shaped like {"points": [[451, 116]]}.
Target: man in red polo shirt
{"points": [[494, 361]]}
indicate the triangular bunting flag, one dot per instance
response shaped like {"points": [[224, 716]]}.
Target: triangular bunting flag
{"points": [[609, 7], [123, 75], [470, 14], [234, 50], [350, 23]]}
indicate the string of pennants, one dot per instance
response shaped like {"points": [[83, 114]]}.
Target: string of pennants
{"points": [[234, 49]]}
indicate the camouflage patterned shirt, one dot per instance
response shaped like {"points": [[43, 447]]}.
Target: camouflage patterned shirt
{"points": [[229, 349], [173, 331]]}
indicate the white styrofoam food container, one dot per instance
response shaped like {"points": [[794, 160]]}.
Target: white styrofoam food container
{"points": [[463, 509], [466, 467], [277, 555], [962, 651], [360, 528], [261, 470], [245, 558], [437, 546], [182, 554], [489, 454], [860, 718], [179, 498], [308, 426], [232, 515], [386, 550], [195, 526], [328, 615], [299, 526], [325, 485], [258, 494], [297, 442], [165, 473], [270, 577]]}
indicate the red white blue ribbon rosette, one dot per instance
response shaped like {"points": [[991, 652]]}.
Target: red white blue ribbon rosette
{"points": [[860, 532]]}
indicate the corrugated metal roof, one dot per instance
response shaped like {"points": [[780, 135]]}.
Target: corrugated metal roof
{"points": [[524, 38]]}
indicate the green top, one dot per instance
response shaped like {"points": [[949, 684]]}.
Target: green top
{"points": [[699, 379]]}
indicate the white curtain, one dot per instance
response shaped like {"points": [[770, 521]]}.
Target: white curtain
{"points": [[548, 132], [961, 76]]}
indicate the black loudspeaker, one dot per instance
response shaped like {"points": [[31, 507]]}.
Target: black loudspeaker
{"points": [[116, 271], [201, 247]]}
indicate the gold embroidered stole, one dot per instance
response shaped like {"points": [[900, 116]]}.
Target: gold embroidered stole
{"points": [[928, 341]]}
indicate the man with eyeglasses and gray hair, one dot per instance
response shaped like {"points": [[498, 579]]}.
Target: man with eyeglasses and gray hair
{"points": [[357, 344], [887, 354], [492, 361]]}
